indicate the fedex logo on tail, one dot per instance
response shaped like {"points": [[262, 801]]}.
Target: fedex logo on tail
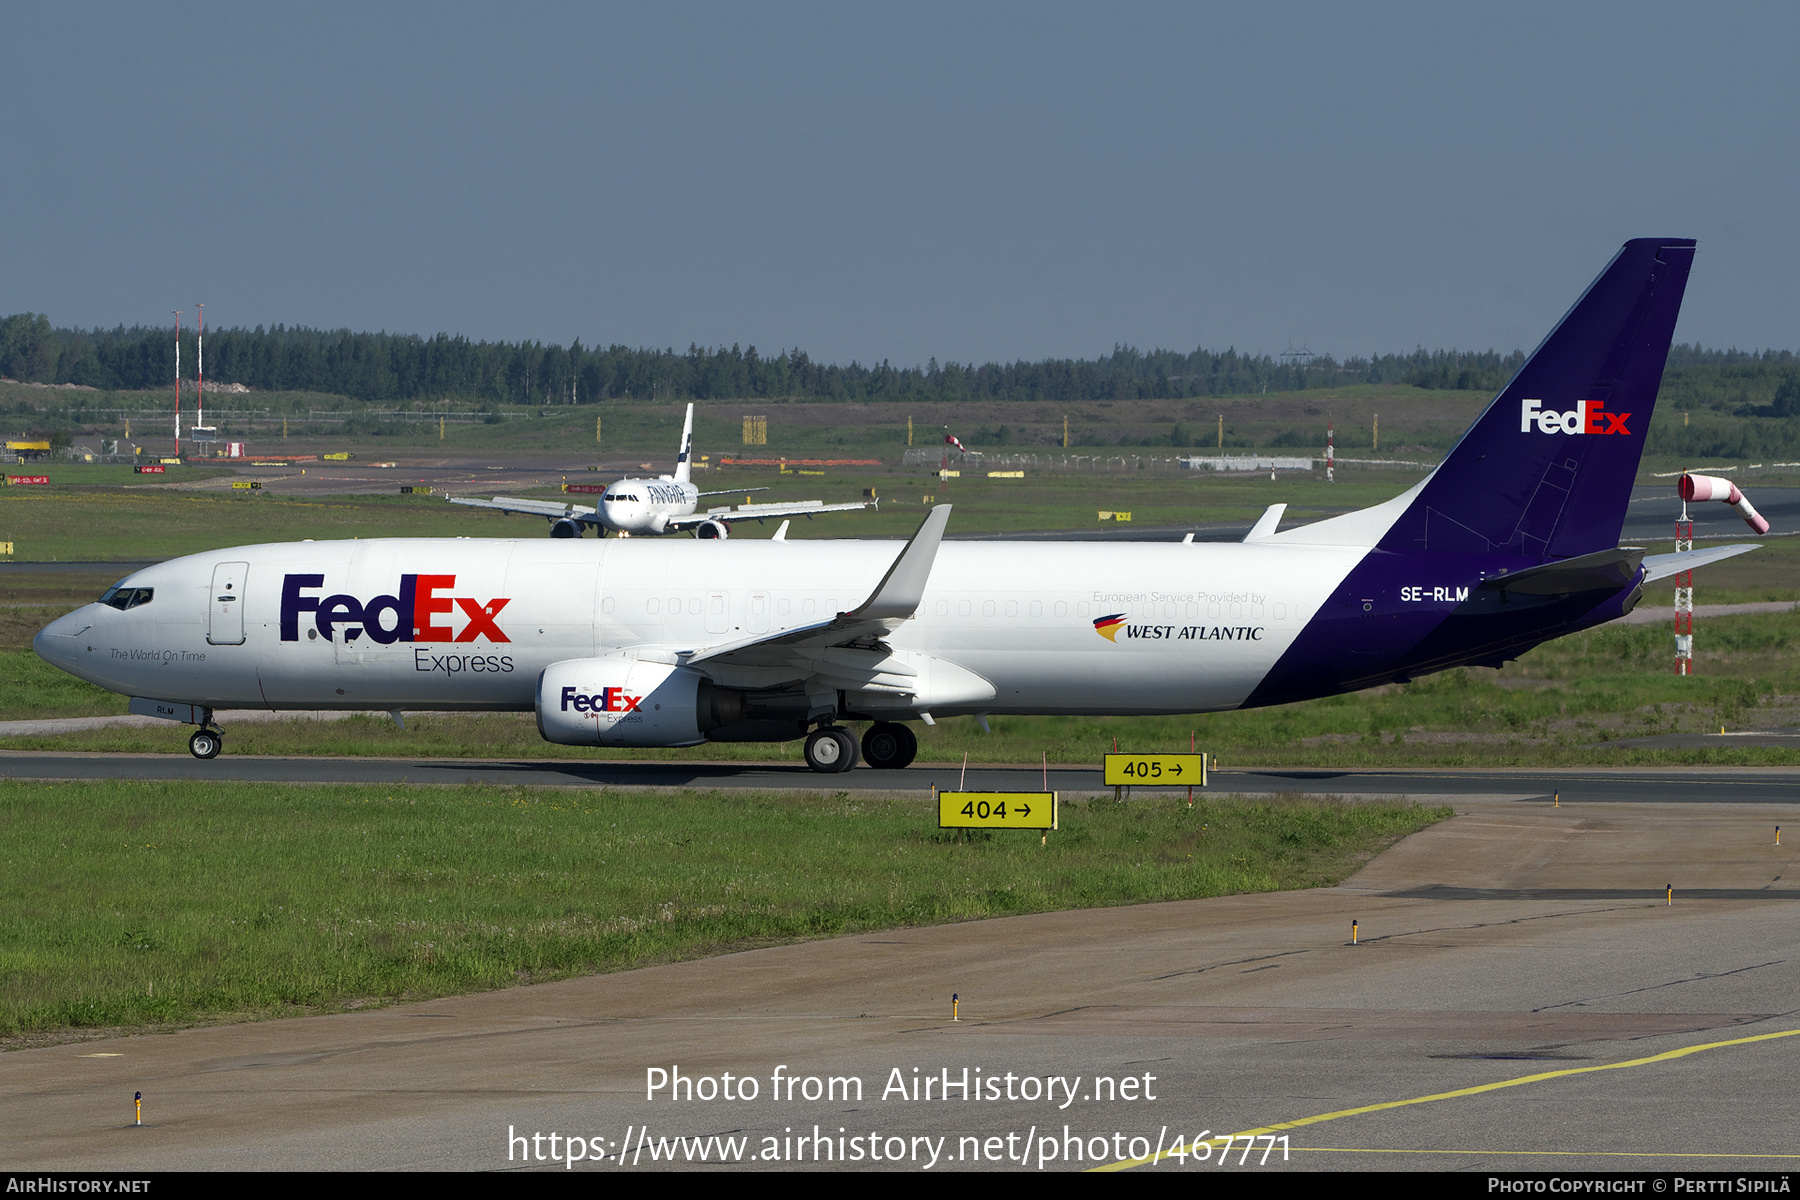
{"points": [[1588, 416], [408, 616]]}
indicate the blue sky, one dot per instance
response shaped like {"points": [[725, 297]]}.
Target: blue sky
{"points": [[967, 181]]}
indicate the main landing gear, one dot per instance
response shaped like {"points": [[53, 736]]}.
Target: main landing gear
{"points": [[887, 745], [206, 743], [830, 750]]}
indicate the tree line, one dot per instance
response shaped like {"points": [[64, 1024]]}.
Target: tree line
{"points": [[387, 368], [397, 368]]}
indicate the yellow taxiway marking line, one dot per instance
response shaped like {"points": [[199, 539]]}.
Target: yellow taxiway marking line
{"points": [[1665, 1056]]}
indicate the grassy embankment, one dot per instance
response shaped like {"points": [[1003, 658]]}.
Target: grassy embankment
{"points": [[131, 904], [78, 519]]}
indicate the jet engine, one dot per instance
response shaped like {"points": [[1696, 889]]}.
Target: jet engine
{"points": [[626, 702], [712, 529], [565, 528]]}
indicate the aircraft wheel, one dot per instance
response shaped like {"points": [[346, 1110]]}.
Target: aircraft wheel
{"points": [[206, 743], [888, 746], [830, 750]]}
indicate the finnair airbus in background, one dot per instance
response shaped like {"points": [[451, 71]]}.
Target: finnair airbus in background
{"points": [[666, 504], [1511, 541]]}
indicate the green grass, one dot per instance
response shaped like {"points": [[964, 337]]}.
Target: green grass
{"points": [[129, 904], [74, 522], [84, 524]]}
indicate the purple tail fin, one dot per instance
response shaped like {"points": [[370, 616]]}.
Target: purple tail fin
{"points": [[1546, 470]]}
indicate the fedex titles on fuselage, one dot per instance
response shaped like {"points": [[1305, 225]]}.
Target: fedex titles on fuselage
{"points": [[1588, 416], [406, 616]]}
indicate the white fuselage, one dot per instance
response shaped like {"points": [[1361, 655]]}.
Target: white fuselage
{"points": [[644, 506], [1201, 623]]}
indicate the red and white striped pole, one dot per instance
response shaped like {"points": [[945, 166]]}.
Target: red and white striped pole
{"points": [[1701, 487], [1684, 597]]}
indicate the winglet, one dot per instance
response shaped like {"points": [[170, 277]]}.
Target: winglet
{"points": [[1265, 524], [897, 596]]}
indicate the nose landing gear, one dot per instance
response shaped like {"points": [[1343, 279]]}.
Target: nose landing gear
{"points": [[206, 743]]}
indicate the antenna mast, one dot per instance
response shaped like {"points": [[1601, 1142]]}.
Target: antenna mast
{"points": [[177, 313], [200, 377]]}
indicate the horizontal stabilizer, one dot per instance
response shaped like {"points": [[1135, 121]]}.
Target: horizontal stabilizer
{"points": [[1660, 566], [1606, 570]]}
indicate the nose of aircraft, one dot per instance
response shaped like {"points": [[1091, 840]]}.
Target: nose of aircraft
{"points": [[56, 643]]}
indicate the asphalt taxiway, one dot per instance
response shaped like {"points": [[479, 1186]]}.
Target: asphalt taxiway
{"points": [[1644, 785], [1519, 995]]}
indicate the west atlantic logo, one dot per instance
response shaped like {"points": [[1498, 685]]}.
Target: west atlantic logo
{"points": [[1108, 627]]}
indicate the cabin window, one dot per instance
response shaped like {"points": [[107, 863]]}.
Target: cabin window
{"points": [[1012, 608], [653, 605], [606, 605], [943, 608], [1037, 608], [1062, 608], [987, 608], [964, 608]]}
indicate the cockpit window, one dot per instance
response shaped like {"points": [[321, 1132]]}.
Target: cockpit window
{"points": [[123, 598]]}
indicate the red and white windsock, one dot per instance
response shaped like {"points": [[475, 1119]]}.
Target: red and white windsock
{"points": [[950, 440], [1711, 487]]}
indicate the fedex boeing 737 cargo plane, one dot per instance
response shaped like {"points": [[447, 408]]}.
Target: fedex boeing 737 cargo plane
{"points": [[1511, 541]]}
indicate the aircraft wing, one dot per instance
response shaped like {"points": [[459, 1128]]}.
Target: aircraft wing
{"points": [[891, 605], [761, 512], [552, 509]]}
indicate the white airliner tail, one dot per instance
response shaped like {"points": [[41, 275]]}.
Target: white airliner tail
{"points": [[684, 461]]}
